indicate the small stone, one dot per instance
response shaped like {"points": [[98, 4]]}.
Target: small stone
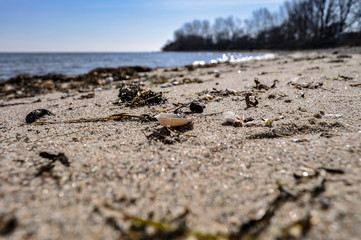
{"points": [[196, 107]]}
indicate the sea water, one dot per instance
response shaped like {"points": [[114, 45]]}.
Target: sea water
{"points": [[12, 64]]}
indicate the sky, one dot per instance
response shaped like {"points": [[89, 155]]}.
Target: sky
{"points": [[108, 25]]}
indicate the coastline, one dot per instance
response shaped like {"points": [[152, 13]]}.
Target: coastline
{"points": [[214, 178]]}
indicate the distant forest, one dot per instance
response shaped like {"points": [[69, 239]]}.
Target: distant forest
{"points": [[299, 24]]}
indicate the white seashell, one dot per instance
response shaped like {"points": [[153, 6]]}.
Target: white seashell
{"points": [[231, 91], [331, 116], [231, 117], [166, 85], [172, 120], [206, 97]]}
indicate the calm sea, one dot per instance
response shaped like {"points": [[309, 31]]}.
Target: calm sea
{"points": [[12, 64]]}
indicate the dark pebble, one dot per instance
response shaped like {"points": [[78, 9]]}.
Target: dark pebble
{"points": [[36, 114], [196, 107], [249, 119]]}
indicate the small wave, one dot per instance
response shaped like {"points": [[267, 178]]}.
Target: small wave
{"points": [[230, 58]]}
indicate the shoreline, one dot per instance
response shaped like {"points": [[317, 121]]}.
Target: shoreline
{"points": [[291, 169]]}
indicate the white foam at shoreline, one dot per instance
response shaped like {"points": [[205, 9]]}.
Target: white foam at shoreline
{"points": [[235, 59]]}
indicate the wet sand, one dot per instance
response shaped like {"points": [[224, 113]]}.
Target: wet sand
{"points": [[292, 172]]}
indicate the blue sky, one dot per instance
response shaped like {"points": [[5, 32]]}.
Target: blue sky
{"points": [[108, 25]]}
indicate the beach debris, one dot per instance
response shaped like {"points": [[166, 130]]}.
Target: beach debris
{"points": [[355, 85], [114, 117], [19, 103], [335, 61], [206, 97], [344, 56], [231, 91], [322, 114], [36, 114], [254, 227], [250, 103], [268, 122], [331, 116], [166, 85], [274, 83], [134, 95], [271, 96], [308, 85], [262, 73], [232, 119], [56, 157], [342, 78], [249, 119], [313, 68], [333, 170], [327, 135], [196, 107], [299, 140], [259, 85], [173, 120], [87, 96], [30, 85], [304, 173], [164, 135], [8, 223], [175, 228]]}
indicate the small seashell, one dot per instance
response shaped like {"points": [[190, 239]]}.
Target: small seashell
{"points": [[172, 120], [233, 119], [166, 85], [206, 97], [231, 91]]}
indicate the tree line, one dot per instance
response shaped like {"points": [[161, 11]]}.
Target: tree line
{"points": [[299, 24]]}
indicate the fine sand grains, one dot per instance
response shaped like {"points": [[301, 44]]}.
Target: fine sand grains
{"points": [[291, 170]]}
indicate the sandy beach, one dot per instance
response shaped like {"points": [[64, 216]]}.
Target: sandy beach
{"points": [[290, 171]]}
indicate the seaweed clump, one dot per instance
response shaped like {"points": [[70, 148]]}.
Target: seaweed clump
{"points": [[134, 95]]}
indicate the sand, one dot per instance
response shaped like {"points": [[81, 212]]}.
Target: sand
{"points": [[294, 176]]}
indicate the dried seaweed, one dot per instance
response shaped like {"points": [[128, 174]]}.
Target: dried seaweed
{"points": [[174, 229], [134, 95], [342, 78], [114, 117], [56, 157], [333, 170], [87, 96], [355, 85], [254, 227], [19, 103]]}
